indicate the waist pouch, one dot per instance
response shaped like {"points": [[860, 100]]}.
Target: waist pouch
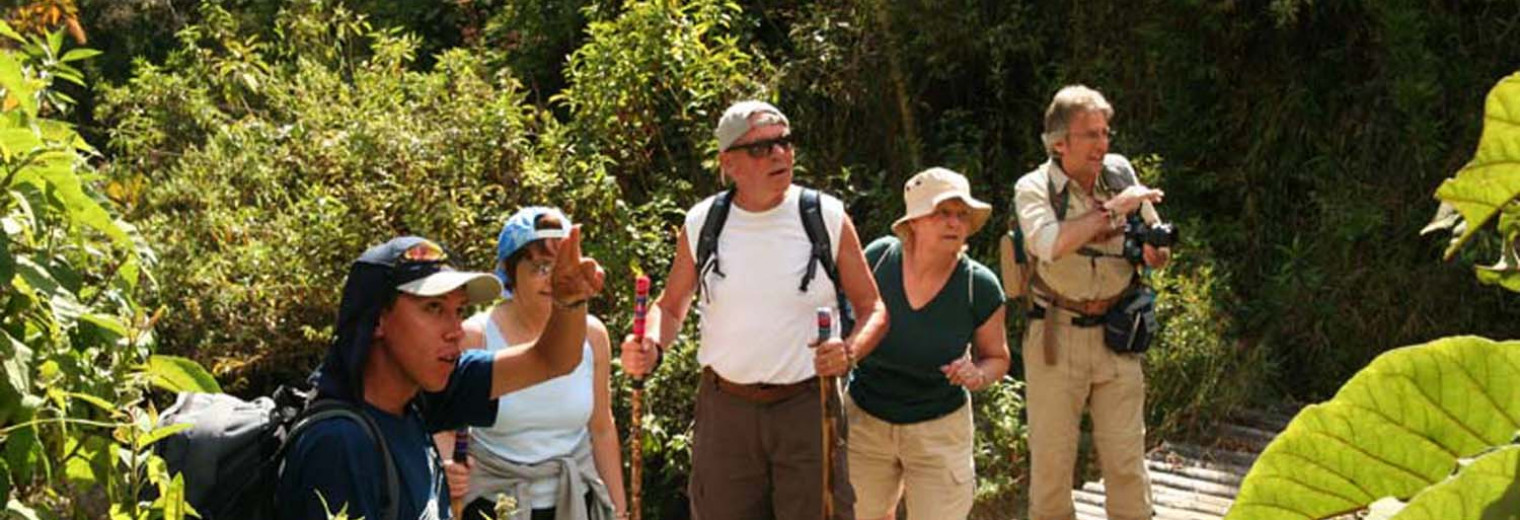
{"points": [[1130, 324]]}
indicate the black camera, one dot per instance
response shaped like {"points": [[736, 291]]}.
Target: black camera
{"points": [[1137, 234]]}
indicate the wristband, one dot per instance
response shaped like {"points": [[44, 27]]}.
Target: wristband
{"points": [[570, 305]]}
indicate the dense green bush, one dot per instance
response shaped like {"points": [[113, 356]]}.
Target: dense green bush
{"points": [[264, 167], [74, 421]]}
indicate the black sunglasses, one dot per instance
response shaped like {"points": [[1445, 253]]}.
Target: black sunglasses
{"points": [[762, 148]]}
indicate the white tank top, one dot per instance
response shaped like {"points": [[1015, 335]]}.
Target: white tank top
{"points": [[540, 422], [756, 324]]}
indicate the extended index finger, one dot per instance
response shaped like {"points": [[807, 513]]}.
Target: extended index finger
{"points": [[568, 257]]}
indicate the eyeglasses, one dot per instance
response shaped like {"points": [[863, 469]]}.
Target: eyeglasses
{"points": [[763, 148], [541, 268]]}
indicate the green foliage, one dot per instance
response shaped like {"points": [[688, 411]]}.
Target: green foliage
{"points": [[176, 374], [73, 421], [293, 159], [1398, 427], [1488, 186], [1486, 485], [648, 86]]}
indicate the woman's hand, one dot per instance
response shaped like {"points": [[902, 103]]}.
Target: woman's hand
{"points": [[964, 372]]}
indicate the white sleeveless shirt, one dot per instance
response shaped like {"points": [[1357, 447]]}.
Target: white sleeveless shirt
{"points": [[541, 422], [756, 323]]}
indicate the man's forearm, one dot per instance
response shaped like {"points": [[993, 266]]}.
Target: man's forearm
{"points": [[560, 343]]}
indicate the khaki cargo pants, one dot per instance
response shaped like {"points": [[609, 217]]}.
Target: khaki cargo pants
{"points": [[1086, 374]]}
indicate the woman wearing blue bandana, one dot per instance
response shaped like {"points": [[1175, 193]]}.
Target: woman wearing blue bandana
{"points": [[554, 446]]}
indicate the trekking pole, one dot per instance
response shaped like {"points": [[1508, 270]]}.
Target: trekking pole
{"points": [[461, 456], [826, 387], [636, 429]]}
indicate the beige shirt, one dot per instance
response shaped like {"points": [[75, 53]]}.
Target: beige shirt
{"points": [[1075, 276]]}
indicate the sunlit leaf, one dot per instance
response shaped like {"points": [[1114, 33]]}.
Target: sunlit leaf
{"points": [[15, 362], [7, 31], [111, 324], [1489, 487], [79, 54], [61, 176], [172, 499], [102, 404], [1492, 178], [177, 374], [1398, 427], [161, 433], [15, 84]]}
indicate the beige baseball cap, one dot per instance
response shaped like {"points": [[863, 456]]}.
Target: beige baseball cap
{"points": [[735, 121]]}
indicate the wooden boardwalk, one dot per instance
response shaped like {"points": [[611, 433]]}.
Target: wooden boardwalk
{"points": [[1191, 482]]}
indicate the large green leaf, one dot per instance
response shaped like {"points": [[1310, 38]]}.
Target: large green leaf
{"points": [[16, 365], [1398, 427], [1488, 488], [177, 374], [1492, 178]]}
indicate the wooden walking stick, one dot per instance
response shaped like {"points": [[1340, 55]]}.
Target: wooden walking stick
{"points": [[461, 456], [825, 388], [636, 429]]}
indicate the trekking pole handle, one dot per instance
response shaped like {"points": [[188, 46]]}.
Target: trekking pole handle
{"points": [[825, 324], [640, 309], [461, 445]]}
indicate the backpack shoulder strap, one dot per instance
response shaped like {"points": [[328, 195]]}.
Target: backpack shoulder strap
{"points": [[707, 238], [323, 409], [1058, 199], [818, 235]]}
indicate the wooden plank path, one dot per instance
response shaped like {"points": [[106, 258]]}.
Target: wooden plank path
{"points": [[1192, 482]]}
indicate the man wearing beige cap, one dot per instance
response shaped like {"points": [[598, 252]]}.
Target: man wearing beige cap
{"points": [[749, 256], [1071, 211]]}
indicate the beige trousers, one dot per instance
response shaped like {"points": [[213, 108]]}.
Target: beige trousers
{"points": [[1086, 374], [929, 463]]}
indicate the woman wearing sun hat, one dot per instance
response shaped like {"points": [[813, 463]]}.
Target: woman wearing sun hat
{"points": [[909, 408], [554, 446]]}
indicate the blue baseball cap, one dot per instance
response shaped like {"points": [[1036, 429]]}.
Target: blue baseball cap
{"points": [[520, 230]]}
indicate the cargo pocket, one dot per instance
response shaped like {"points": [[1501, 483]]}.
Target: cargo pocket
{"points": [[962, 474]]}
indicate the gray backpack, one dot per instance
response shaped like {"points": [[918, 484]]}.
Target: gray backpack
{"points": [[231, 454]]}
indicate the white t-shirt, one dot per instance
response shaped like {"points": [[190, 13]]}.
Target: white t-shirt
{"points": [[756, 323]]}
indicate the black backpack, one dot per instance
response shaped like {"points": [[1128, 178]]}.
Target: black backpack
{"points": [[817, 232], [231, 454]]}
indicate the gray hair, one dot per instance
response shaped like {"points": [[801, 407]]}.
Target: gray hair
{"points": [[1067, 102]]}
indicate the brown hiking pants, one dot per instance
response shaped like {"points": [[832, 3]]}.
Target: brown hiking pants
{"points": [[761, 461]]}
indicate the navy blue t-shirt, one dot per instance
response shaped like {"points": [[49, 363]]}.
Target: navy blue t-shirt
{"points": [[336, 458]]}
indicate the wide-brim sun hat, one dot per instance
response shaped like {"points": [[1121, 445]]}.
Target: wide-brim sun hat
{"points": [[925, 191]]}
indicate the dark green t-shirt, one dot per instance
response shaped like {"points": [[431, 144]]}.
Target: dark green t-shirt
{"points": [[900, 381]]}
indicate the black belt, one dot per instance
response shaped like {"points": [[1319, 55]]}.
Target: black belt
{"points": [[1077, 320]]}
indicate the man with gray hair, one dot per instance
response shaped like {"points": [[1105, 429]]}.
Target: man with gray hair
{"points": [[758, 450], [1071, 211]]}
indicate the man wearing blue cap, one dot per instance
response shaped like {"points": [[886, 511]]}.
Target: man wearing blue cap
{"points": [[397, 355], [758, 451]]}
